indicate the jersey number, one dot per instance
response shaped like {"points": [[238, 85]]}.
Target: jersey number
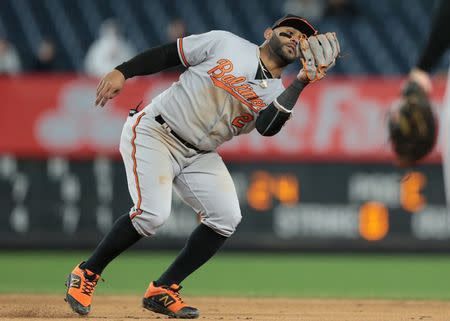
{"points": [[242, 119]]}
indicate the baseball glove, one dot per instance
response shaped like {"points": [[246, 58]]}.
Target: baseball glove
{"points": [[319, 54], [412, 125]]}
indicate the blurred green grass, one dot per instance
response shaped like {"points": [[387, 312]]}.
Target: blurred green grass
{"points": [[245, 274]]}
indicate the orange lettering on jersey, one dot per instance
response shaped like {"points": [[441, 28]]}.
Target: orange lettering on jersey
{"points": [[221, 77], [241, 120]]}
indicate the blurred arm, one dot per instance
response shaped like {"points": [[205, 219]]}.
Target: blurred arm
{"points": [[271, 119], [439, 39], [151, 61]]}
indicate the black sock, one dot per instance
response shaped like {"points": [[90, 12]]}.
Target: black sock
{"points": [[121, 236], [200, 247]]}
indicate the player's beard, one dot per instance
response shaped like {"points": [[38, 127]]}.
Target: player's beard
{"points": [[276, 47]]}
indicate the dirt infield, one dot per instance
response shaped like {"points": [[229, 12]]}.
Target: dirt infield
{"points": [[44, 307]]}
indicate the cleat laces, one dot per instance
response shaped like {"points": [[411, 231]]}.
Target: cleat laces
{"points": [[89, 284], [176, 293]]}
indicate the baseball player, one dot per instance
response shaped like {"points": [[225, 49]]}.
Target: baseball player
{"points": [[230, 87], [438, 42]]}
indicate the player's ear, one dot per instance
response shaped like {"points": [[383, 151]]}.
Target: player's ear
{"points": [[268, 33]]}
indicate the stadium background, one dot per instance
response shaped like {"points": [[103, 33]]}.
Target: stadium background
{"points": [[324, 192]]}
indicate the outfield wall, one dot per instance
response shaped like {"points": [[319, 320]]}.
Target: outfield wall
{"points": [[325, 182]]}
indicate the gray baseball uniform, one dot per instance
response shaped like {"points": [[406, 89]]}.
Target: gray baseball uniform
{"points": [[172, 141]]}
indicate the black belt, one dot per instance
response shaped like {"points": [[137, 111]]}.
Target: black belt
{"points": [[161, 120]]}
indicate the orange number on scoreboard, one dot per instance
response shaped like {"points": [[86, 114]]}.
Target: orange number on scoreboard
{"points": [[411, 196], [373, 221], [264, 187]]}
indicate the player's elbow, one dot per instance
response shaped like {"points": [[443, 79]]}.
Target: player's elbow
{"points": [[265, 130], [270, 121]]}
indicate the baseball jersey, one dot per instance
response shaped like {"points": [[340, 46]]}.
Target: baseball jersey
{"points": [[217, 97]]}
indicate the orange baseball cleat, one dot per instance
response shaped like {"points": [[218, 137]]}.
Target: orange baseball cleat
{"points": [[80, 288], [166, 300]]}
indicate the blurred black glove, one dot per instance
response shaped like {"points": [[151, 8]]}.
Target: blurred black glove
{"points": [[412, 125]]}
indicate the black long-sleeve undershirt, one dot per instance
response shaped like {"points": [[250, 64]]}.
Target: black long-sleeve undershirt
{"points": [[439, 37], [151, 61], [272, 119]]}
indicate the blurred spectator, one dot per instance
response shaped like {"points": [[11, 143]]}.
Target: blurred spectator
{"points": [[46, 57], [9, 59], [309, 9], [340, 8], [176, 29], [108, 51]]}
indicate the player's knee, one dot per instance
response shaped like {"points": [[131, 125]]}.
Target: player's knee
{"points": [[146, 223], [225, 225], [231, 222], [235, 220]]}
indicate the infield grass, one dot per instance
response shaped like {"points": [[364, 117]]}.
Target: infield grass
{"points": [[245, 274]]}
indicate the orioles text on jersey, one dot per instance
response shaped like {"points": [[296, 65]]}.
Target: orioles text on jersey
{"points": [[221, 77]]}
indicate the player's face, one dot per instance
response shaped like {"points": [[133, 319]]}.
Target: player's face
{"points": [[285, 43]]}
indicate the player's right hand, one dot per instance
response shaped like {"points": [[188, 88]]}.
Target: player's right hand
{"points": [[109, 87], [422, 78]]}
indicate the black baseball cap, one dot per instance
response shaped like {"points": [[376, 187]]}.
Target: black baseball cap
{"points": [[299, 23]]}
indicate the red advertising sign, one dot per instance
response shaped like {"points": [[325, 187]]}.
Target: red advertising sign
{"points": [[338, 119]]}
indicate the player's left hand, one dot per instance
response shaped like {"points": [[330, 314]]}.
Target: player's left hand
{"points": [[319, 54]]}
